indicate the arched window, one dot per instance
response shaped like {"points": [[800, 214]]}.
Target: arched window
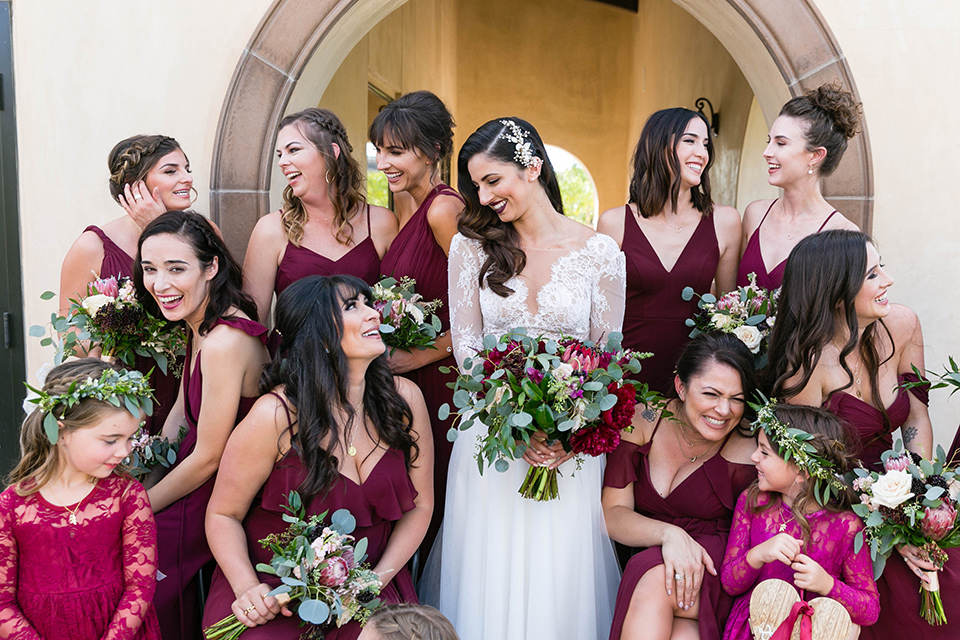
{"points": [[577, 187]]}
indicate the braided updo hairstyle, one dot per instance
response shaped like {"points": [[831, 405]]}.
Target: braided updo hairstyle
{"points": [[831, 116], [130, 160], [322, 128], [411, 622]]}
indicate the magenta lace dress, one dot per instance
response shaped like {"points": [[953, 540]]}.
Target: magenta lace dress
{"points": [[87, 581], [831, 546]]}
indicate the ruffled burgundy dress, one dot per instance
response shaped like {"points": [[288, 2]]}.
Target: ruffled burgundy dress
{"points": [[655, 316], [415, 253], [116, 262], [84, 581], [702, 505], [377, 504], [183, 549], [898, 586]]}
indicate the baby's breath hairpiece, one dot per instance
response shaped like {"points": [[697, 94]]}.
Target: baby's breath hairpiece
{"points": [[127, 389], [522, 149], [793, 446]]}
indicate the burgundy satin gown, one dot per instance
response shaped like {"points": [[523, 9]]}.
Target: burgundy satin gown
{"points": [[182, 540]]}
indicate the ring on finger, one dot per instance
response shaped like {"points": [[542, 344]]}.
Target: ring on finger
{"points": [[137, 196], [247, 611], [678, 576]]}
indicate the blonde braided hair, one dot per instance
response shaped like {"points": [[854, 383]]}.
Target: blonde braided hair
{"points": [[412, 622], [131, 159]]}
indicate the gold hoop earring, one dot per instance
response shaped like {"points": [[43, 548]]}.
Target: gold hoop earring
{"points": [[196, 195], [327, 177]]}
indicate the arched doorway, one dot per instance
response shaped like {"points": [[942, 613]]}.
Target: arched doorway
{"points": [[783, 49]]}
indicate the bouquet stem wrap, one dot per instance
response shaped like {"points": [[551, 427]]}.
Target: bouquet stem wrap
{"points": [[931, 606]]}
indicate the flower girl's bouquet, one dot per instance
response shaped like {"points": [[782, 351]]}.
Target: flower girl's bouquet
{"points": [[321, 569], [407, 321], [574, 391], [913, 502], [747, 312], [111, 316], [149, 452]]}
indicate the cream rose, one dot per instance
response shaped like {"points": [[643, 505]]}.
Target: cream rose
{"points": [[721, 320], [93, 303], [749, 336], [892, 488], [416, 313]]}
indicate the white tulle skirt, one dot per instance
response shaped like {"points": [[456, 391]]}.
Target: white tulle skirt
{"points": [[508, 568]]}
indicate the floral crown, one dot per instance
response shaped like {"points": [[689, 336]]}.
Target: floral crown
{"points": [[127, 389], [793, 445], [522, 150]]}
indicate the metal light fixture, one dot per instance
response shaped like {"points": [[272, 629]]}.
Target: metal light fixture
{"points": [[714, 118]]}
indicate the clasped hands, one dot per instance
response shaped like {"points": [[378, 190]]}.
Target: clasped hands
{"points": [[541, 454], [807, 572]]}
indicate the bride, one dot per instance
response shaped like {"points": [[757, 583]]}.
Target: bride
{"points": [[512, 568]]}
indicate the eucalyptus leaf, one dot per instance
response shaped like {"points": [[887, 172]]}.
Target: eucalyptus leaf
{"points": [[566, 425], [607, 402], [47, 295], [265, 568], [314, 612], [501, 465], [687, 293], [444, 411], [345, 520], [452, 434], [708, 298], [51, 428], [293, 582], [36, 331], [360, 551]]}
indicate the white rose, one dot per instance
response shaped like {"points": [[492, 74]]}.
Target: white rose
{"points": [[416, 312], [563, 370], [954, 488], [721, 320], [892, 488], [749, 336], [93, 303]]}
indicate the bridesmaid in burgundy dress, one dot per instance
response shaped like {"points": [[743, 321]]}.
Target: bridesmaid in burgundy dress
{"points": [[805, 144], [673, 236], [184, 271], [339, 428], [148, 175], [834, 297], [671, 487], [414, 137], [325, 227]]}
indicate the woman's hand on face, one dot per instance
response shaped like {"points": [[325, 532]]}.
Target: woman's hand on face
{"points": [[254, 607], [684, 561], [539, 453], [141, 205]]}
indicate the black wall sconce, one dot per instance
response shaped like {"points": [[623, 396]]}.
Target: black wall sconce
{"points": [[714, 118]]}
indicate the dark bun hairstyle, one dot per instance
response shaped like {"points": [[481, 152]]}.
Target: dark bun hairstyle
{"points": [[832, 116]]}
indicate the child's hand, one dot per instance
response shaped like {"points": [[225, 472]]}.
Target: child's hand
{"points": [[781, 547], [810, 575]]}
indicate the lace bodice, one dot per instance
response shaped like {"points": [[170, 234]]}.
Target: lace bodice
{"points": [[578, 293]]}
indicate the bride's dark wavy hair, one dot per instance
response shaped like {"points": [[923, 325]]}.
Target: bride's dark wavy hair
{"points": [[499, 239], [313, 370], [821, 280]]}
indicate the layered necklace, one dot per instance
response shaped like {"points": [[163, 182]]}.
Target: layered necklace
{"points": [[681, 431]]}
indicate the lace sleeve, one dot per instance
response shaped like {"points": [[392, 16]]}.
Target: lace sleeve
{"points": [[609, 290], [736, 574], [857, 590], [466, 320], [13, 624], [139, 564]]}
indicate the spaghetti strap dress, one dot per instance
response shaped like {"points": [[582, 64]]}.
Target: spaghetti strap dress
{"points": [[182, 541], [117, 262], [377, 504], [415, 253], [899, 587], [702, 505], [655, 316], [752, 260]]}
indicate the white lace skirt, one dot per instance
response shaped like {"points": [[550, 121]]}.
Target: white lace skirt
{"points": [[516, 569]]}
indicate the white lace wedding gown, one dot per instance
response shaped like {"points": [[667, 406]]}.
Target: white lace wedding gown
{"points": [[513, 568]]}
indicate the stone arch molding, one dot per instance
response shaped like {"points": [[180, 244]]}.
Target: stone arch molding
{"points": [[783, 48]]}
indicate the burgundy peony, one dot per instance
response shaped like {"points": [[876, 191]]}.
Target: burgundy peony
{"points": [[938, 522], [335, 573], [621, 415], [595, 440]]}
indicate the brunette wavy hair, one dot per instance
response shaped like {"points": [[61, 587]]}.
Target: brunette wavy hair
{"points": [[717, 347], [821, 280], [499, 239], [656, 167], [345, 179], [418, 121], [131, 159], [226, 287], [830, 116], [312, 368]]}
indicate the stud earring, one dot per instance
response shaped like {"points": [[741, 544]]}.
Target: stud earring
{"points": [[810, 170]]}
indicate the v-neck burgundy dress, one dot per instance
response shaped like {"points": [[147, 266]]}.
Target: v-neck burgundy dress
{"points": [[655, 316], [702, 505], [181, 539], [898, 586]]}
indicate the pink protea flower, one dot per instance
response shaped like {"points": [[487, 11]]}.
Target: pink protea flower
{"points": [[348, 557], [727, 302], [938, 522], [107, 287], [335, 573], [581, 358], [897, 463]]}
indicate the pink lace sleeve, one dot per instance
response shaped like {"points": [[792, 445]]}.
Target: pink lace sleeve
{"points": [[139, 564], [857, 591], [13, 624], [736, 574]]}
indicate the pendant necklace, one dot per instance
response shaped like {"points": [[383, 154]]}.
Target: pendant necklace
{"points": [[72, 518], [692, 459], [856, 377]]}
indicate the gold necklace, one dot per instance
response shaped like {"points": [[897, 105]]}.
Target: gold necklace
{"points": [[72, 518], [692, 459], [856, 377]]}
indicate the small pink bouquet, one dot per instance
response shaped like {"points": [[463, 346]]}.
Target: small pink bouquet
{"points": [[407, 321]]}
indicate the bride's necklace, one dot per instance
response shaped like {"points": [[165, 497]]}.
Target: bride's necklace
{"points": [[681, 432]]}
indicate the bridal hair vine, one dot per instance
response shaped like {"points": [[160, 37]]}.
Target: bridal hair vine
{"points": [[793, 445], [127, 389], [522, 149]]}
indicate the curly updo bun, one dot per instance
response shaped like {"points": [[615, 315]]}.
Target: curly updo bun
{"points": [[831, 116]]}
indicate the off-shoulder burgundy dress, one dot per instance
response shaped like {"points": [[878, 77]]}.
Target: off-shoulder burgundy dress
{"points": [[182, 540], [898, 586], [415, 253], [702, 505], [84, 581], [116, 262], [656, 314], [377, 504]]}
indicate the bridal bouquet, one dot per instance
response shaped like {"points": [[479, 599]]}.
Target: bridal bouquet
{"points": [[747, 312], [149, 452], [321, 569], [111, 316], [574, 391], [407, 321], [914, 502]]}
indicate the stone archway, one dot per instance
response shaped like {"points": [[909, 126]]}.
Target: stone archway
{"points": [[783, 49]]}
